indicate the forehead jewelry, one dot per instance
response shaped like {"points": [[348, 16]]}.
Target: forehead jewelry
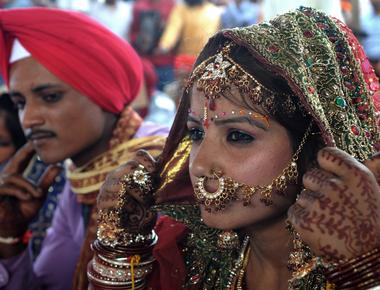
{"points": [[228, 189], [220, 72], [220, 115]]}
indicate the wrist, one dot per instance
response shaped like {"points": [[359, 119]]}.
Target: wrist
{"points": [[362, 272], [12, 246], [11, 250], [120, 267]]}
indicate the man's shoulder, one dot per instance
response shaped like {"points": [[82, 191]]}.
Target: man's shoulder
{"points": [[148, 128]]}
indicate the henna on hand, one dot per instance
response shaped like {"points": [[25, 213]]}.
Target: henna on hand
{"points": [[341, 218], [133, 206]]}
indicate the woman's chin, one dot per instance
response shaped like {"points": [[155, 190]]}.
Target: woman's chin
{"points": [[218, 220]]}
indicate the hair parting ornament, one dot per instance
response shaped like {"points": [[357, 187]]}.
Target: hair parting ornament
{"points": [[230, 190], [220, 115], [220, 72]]}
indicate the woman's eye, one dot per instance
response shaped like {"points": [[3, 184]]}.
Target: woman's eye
{"points": [[196, 134], [239, 137], [51, 98]]}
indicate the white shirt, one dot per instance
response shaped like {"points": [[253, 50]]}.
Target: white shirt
{"points": [[272, 8], [117, 18]]}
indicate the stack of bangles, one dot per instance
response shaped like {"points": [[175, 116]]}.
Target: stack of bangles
{"points": [[120, 267], [361, 272], [122, 259]]}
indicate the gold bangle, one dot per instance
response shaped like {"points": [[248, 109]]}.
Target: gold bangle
{"points": [[122, 274], [357, 273]]}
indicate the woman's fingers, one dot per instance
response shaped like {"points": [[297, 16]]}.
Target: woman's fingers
{"points": [[339, 163], [146, 160], [307, 197], [320, 181], [111, 188], [373, 164]]}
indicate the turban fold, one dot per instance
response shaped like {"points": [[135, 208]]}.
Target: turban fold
{"points": [[77, 50]]}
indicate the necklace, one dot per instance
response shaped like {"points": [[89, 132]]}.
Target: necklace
{"points": [[239, 284], [304, 268], [235, 281]]}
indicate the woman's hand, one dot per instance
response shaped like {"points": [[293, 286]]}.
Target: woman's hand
{"points": [[338, 213], [135, 215], [20, 200]]}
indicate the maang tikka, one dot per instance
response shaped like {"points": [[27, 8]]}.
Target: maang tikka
{"points": [[219, 72], [230, 190]]}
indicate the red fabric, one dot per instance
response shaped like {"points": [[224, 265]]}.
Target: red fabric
{"points": [[184, 62], [366, 68], [171, 271], [77, 50]]}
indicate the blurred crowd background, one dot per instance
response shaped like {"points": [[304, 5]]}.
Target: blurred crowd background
{"points": [[168, 34]]}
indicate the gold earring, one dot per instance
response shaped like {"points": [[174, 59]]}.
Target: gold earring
{"points": [[300, 254]]}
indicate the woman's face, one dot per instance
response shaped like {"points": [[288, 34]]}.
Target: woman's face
{"points": [[243, 148], [59, 121], [7, 148]]}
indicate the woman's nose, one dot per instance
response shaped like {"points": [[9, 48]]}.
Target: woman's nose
{"points": [[204, 160]]}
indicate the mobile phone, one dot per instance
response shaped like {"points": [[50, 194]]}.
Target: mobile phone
{"points": [[28, 169]]}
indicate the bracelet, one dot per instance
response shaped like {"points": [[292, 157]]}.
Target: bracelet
{"points": [[119, 253], [111, 234], [9, 240], [13, 241], [361, 272], [120, 273], [100, 280], [120, 267], [118, 264]]}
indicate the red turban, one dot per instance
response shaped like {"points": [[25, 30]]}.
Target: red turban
{"points": [[77, 50]]}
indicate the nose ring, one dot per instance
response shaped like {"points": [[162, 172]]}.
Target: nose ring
{"points": [[204, 194], [217, 200], [217, 173]]}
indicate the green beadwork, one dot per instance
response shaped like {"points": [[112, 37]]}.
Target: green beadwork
{"points": [[309, 62], [340, 102], [212, 265], [323, 74]]}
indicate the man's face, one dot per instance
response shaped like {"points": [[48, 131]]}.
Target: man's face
{"points": [[59, 121]]}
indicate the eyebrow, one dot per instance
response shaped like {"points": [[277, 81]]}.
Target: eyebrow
{"points": [[37, 89], [240, 119]]}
